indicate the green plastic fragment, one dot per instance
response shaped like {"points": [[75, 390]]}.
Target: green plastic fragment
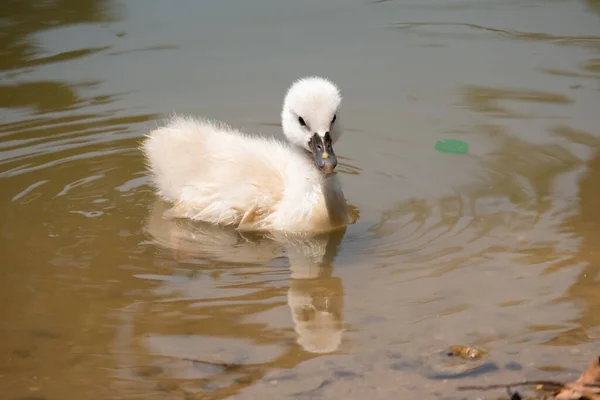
{"points": [[452, 146]]}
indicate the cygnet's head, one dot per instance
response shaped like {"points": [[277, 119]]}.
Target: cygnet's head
{"points": [[310, 119]]}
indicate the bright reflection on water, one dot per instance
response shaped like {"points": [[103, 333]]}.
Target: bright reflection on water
{"points": [[498, 249]]}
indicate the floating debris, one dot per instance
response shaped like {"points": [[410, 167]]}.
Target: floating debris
{"points": [[457, 362], [466, 353], [452, 146]]}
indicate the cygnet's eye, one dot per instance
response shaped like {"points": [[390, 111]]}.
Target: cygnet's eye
{"points": [[301, 121], [334, 118]]}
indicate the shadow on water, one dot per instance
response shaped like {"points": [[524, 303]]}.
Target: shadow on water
{"points": [[490, 99], [593, 5], [200, 341], [42, 96], [23, 19], [21, 22], [585, 225], [53, 135]]}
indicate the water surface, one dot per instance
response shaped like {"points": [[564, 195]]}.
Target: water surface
{"points": [[499, 249]]}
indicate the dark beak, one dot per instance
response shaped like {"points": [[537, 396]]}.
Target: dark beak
{"points": [[322, 150]]}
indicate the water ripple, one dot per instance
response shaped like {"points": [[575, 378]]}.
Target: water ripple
{"points": [[473, 31], [42, 144], [508, 210]]}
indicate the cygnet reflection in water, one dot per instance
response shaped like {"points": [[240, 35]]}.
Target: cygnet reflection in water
{"points": [[315, 296], [317, 301]]}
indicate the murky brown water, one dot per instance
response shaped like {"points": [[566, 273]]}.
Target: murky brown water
{"points": [[498, 249]]}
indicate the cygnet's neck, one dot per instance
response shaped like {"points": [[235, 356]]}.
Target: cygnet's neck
{"points": [[332, 191]]}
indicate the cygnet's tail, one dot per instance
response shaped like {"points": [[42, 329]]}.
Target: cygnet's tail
{"points": [[176, 153]]}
